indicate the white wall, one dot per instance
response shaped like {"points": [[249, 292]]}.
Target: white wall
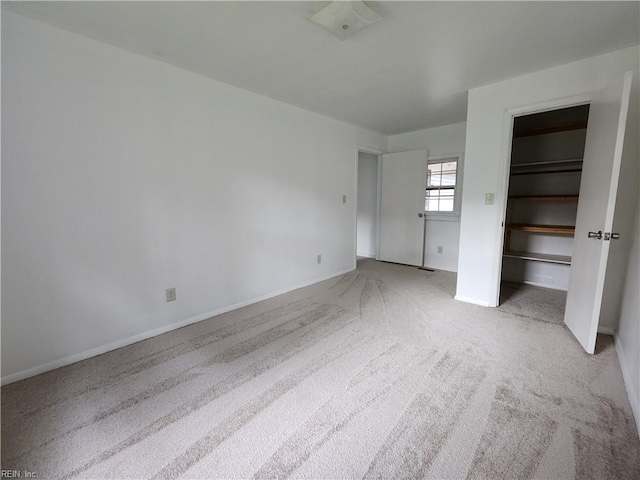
{"points": [[480, 224], [625, 217], [480, 229], [438, 140], [628, 334], [367, 204], [445, 233], [621, 300], [123, 176]]}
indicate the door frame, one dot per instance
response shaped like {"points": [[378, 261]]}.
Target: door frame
{"points": [[505, 163], [378, 153]]}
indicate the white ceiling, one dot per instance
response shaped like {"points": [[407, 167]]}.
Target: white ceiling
{"points": [[410, 71]]}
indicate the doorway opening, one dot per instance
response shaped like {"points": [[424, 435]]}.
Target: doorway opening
{"points": [[545, 172], [367, 205]]}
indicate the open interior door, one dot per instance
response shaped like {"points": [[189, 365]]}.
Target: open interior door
{"points": [[402, 202], [598, 189]]}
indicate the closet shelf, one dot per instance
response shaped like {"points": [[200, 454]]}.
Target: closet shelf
{"points": [[539, 257], [548, 162], [569, 197], [547, 171], [554, 129], [549, 229]]}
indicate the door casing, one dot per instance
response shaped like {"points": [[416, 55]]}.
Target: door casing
{"points": [[505, 163], [377, 153]]}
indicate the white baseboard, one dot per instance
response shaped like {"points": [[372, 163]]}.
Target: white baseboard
{"points": [[441, 269], [545, 285], [606, 330], [628, 383], [62, 362], [475, 301], [366, 254]]}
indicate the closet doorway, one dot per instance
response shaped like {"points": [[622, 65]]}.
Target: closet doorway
{"points": [[542, 202], [541, 244]]}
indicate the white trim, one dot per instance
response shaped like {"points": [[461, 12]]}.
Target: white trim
{"points": [[367, 254], [377, 152], [501, 203], [474, 301], [371, 150], [626, 376], [355, 208], [453, 216], [544, 285], [439, 269], [443, 218], [555, 104], [443, 156], [503, 180], [15, 377], [378, 206]]}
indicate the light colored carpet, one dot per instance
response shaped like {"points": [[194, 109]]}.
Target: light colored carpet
{"points": [[375, 374]]}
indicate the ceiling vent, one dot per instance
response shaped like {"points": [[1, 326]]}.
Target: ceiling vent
{"points": [[344, 18]]}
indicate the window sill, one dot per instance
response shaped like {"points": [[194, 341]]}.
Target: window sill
{"points": [[453, 217]]}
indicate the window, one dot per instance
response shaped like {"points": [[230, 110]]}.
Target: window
{"points": [[442, 181]]}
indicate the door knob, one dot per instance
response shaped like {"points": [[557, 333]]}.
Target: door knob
{"points": [[421, 215], [615, 236], [597, 235]]}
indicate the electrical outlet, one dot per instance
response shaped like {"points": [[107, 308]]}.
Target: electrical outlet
{"points": [[171, 294], [344, 199], [488, 198], [439, 248], [319, 259]]}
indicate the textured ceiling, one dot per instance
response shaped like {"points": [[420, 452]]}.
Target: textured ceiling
{"points": [[410, 71]]}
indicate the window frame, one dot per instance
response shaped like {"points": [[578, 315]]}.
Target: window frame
{"points": [[457, 190]]}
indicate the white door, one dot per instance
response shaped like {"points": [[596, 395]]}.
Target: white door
{"points": [[402, 201], [598, 189]]}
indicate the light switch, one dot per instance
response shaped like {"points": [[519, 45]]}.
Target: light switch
{"points": [[488, 198]]}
